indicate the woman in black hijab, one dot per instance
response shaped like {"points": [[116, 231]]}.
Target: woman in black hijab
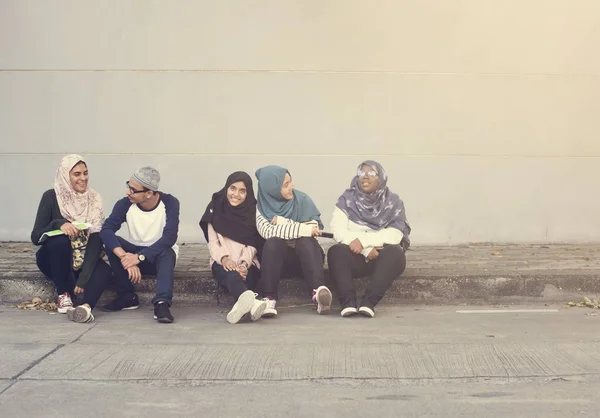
{"points": [[229, 226]]}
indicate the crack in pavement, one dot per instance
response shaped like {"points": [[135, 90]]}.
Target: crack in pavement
{"points": [[83, 333], [13, 380], [38, 361], [12, 383], [511, 379]]}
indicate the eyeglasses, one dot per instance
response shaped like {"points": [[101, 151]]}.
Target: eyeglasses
{"points": [[370, 173], [132, 190]]}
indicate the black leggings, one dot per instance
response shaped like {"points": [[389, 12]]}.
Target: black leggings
{"points": [[55, 260], [344, 265], [282, 260]]}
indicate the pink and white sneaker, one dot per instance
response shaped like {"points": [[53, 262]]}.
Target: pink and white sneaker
{"points": [[322, 299], [270, 310], [64, 303]]}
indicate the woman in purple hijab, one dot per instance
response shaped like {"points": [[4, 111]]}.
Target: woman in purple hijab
{"points": [[369, 223]]}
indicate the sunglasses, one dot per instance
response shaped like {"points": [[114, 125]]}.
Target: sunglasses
{"points": [[370, 173], [132, 190]]}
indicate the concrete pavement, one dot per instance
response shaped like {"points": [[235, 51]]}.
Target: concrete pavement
{"points": [[408, 361]]}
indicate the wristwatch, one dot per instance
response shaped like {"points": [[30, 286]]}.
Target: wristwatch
{"points": [[141, 257]]}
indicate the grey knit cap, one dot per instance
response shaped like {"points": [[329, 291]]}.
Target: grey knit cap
{"points": [[148, 177]]}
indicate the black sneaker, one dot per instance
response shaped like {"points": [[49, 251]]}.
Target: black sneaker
{"points": [[162, 313], [122, 303]]}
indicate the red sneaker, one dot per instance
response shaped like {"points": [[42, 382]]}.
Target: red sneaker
{"points": [[64, 303]]}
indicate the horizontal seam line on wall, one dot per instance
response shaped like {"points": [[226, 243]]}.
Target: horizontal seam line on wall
{"points": [[196, 154], [280, 71]]}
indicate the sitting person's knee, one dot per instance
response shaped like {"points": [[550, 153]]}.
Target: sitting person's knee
{"points": [[337, 250], [392, 250], [60, 242], [274, 242], [395, 253], [166, 254], [306, 242], [234, 274]]}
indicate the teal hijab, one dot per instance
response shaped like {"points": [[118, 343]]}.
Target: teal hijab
{"points": [[270, 202]]}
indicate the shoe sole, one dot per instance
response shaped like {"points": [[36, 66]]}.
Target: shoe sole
{"points": [[243, 305], [366, 314], [64, 310], [163, 320], [258, 310], [349, 313], [324, 299], [129, 308], [79, 314], [269, 313]]}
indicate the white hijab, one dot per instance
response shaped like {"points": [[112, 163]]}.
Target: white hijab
{"points": [[74, 206]]}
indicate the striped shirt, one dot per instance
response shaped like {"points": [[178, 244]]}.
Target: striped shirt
{"points": [[284, 228]]}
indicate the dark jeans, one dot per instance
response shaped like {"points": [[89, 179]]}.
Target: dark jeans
{"points": [[344, 265], [55, 260], [281, 260], [163, 267], [233, 281]]}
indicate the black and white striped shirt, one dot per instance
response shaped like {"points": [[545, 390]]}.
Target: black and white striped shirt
{"points": [[284, 229]]}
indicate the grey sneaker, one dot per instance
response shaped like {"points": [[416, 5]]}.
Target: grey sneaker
{"points": [[81, 314]]}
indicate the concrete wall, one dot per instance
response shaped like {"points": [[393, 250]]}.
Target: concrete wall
{"points": [[484, 112]]}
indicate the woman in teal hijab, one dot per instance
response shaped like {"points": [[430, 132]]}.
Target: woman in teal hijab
{"points": [[289, 221], [272, 203]]}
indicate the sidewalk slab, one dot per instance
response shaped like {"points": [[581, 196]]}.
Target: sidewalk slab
{"points": [[436, 274], [21, 356], [426, 361]]}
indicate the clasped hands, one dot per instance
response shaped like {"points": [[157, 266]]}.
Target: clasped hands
{"points": [[356, 247], [230, 265], [130, 263]]}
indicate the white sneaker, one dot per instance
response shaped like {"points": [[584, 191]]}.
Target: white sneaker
{"points": [[368, 312], [81, 314], [64, 303], [322, 298], [270, 310], [258, 309], [243, 305], [350, 311]]}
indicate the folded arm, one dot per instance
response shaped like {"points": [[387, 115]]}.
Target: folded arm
{"points": [[284, 229]]}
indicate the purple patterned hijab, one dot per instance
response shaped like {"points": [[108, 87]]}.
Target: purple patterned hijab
{"points": [[378, 210]]}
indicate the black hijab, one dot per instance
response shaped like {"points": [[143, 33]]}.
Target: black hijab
{"points": [[237, 223]]}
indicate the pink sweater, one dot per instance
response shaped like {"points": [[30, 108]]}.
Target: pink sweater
{"points": [[220, 246]]}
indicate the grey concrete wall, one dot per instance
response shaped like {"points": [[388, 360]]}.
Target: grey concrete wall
{"points": [[485, 113]]}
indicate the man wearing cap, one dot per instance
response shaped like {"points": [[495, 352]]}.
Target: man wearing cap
{"points": [[152, 219]]}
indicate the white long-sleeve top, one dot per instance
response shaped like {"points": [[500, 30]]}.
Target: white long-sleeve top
{"points": [[345, 231], [284, 228]]}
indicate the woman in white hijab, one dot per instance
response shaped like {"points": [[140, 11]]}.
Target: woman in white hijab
{"points": [[66, 227]]}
